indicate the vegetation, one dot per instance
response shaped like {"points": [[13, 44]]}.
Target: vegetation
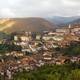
{"points": [[8, 48], [73, 50], [51, 72]]}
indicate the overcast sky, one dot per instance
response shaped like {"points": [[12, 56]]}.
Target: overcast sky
{"points": [[39, 8]]}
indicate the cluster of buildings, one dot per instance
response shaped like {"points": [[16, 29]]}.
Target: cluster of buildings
{"points": [[38, 49], [61, 37]]}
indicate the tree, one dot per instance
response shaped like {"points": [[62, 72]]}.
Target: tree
{"points": [[72, 50], [75, 75]]}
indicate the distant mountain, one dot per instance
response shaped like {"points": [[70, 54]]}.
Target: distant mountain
{"points": [[58, 20], [25, 24], [77, 21], [73, 23]]}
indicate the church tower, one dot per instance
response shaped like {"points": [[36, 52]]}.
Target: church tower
{"points": [[69, 28]]}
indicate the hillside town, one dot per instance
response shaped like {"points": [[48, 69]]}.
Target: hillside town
{"points": [[33, 50]]}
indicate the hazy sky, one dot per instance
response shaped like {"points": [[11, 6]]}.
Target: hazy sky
{"points": [[39, 8]]}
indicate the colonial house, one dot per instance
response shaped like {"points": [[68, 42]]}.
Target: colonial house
{"points": [[47, 56], [75, 29], [63, 30]]}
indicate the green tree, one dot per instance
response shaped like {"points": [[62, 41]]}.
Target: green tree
{"points": [[75, 75]]}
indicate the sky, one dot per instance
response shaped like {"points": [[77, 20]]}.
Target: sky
{"points": [[39, 8]]}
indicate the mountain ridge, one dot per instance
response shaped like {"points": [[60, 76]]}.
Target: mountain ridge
{"points": [[58, 20], [28, 24]]}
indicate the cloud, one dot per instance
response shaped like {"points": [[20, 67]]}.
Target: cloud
{"points": [[72, 3], [41, 8], [6, 12]]}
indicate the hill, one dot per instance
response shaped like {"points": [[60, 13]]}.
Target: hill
{"points": [[25, 24], [77, 21], [73, 23], [59, 20]]}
